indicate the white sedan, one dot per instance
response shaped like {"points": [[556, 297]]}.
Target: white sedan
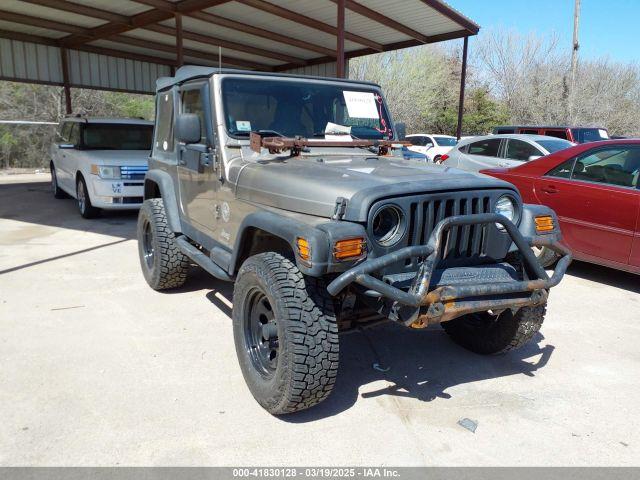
{"points": [[433, 146], [101, 162]]}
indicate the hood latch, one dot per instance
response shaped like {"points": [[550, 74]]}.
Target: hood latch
{"points": [[341, 208]]}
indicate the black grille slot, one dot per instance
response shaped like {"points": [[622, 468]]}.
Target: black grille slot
{"points": [[458, 242]]}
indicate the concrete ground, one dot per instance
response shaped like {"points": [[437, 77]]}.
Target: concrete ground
{"points": [[98, 369]]}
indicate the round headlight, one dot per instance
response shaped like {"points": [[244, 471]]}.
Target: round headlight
{"points": [[388, 225], [505, 206]]}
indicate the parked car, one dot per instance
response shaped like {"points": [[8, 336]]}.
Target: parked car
{"points": [[101, 162], [433, 146], [408, 154], [594, 189], [321, 236], [573, 134], [492, 151]]}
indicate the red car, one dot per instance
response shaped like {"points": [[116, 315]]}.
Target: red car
{"points": [[595, 190]]}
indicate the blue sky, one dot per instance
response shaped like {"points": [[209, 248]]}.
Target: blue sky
{"points": [[606, 27]]}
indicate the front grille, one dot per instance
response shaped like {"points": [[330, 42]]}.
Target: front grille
{"points": [[458, 242], [128, 172]]}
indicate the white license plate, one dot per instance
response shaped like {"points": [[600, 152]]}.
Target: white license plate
{"points": [[116, 187]]}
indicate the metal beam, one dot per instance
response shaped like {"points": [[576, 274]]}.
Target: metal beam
{"points": [[141, 20], [308, 22], [450, 13], [463, 80], [66, 86], [43, 23], [80, 9], [378, 17], [179, 52], [340, 61], [260, 32]]}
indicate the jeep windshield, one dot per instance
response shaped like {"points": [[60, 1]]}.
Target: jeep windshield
{"points": [[291, 107], [116, 136]]}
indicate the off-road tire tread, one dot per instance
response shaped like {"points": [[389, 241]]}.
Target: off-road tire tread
{"points": [[516, 331], [173, 264], [311, 332], [548, 257]]}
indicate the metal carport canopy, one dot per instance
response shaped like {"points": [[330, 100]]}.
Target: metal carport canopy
{"points": [[125, 45]]}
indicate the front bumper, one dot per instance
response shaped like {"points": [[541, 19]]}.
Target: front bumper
{"points": [[116, 194], [429, 300]]}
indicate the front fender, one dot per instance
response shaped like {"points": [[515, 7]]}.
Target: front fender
{"points": [[527, 226], [159, 182]]}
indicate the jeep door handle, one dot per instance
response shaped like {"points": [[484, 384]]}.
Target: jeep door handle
{"points": [[550, 189]]}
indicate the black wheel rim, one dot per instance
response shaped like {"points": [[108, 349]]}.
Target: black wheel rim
{"points": [[261, 334], [82, 201], [148, 251]]}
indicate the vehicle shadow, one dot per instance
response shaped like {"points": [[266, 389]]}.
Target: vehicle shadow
{"points": [[33, 203], [608, 276], [420, 364]]}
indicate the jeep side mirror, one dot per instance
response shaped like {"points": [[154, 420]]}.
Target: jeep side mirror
{"points": [[401, 130], [188, 128]]}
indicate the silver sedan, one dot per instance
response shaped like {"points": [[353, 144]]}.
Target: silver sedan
{"points": [[501, 151]]}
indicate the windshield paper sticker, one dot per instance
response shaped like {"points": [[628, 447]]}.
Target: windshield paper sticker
{"points": [[361, 104], [337, 133], [243, 126], [603, 133]]}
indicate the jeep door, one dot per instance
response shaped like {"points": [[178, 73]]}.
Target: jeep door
{"points": [[197, 176]]}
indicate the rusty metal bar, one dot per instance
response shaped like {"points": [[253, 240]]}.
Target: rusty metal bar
{"points": [[463, 80], [64, 57], [340, 60]]}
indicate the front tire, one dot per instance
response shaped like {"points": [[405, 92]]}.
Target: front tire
{"points": [[489, 335], [84, 201], [286, 334], [163, 265], [545, 256]]}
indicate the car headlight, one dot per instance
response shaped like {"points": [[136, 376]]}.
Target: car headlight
{"points": [[388, 225], [106, 171], [505, 206]]}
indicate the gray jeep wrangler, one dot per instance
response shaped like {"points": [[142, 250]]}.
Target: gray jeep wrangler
{"points": [[289, 187]]}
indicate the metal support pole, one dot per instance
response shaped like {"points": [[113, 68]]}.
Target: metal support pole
{"points": [[340, 60], [463, 80], [64, 57], [179, 50]]}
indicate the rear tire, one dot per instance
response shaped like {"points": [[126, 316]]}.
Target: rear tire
{"points": [[488, 335], [286, 334], [84, 201], [163, 264], [57, 191]]}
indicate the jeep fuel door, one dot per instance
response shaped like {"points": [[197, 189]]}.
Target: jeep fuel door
{"points": [[198, 180]]}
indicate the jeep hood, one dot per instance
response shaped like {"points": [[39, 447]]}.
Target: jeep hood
{"points": [[311, 185]]}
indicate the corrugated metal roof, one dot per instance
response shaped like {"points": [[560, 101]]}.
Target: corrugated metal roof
{"points": [[115, 42]]}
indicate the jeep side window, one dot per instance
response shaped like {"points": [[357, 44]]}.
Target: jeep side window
{"points": [[191, 102], [163, 143]]}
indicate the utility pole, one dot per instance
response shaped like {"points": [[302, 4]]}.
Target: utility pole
{"points": [[574, 57]]}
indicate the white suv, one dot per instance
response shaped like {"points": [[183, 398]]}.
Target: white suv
{"points": [[433, 146], [101, 162]]}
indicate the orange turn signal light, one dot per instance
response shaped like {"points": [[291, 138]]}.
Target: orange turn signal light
{"points": [[349, 249], [304, 250], [544, 223]]}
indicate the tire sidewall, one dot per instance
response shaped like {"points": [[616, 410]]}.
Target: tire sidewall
{"points": [[151, 274], [270, 393]]}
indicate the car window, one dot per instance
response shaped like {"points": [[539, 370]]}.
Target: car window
{"points": [[614, 166], [116, 136], [585, 135], [556, 134], [163, 141], [519, 150], [74, 134], [418, 141], [65, 129], [487, 148], [529, 131], [553, 146], [563, 170], [191, 102], [445, 141]]}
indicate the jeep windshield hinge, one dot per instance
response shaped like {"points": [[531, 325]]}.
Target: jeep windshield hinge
{"points": [[341, 207]]}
